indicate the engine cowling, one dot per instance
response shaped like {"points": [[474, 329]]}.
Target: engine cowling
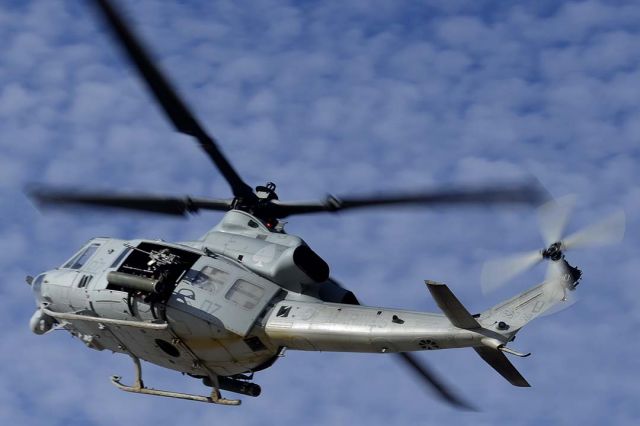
{"points": [[280, 257], [289, 266]]}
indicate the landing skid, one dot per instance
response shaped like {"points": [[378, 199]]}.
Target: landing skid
{"points": [[138, 387]]}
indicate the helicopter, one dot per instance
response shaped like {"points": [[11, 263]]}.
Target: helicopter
{"points": [[228, 305]]}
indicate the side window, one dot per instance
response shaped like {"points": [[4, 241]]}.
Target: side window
{"points": [[81, 258], [208, 278], [84, 281], [245, 294]]}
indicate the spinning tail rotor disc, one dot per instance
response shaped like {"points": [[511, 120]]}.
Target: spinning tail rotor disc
{"points": [[553, 217]]}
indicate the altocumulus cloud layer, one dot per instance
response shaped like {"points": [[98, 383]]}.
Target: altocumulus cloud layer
{"points": [[338, 97]]}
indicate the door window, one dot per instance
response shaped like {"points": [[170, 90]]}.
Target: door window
{"points": [[208, 278], [245, 294]]}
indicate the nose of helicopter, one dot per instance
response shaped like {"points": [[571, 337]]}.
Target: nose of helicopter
{"points": [[36, 286], [40, 323]]}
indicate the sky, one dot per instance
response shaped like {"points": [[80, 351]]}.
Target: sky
{"points": [[341, 97]]}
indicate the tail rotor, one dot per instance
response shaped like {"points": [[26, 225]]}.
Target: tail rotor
{"points": [[553, 217]]}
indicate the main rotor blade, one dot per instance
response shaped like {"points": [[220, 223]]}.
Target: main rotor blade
{"points": [[177, 111], [428, 376], [431, 379], [146, 203], [523, 194]]}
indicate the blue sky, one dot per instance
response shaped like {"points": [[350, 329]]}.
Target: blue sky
{"points": [[342, 97]]}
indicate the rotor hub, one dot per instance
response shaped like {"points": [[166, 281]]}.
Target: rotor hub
{"points": [[266, 192], [553, 252]]}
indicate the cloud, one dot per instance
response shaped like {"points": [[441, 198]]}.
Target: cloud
{"points": [[340, 97]]}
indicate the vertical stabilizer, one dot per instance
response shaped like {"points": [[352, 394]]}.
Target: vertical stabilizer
{"points": [[492, 350], [451, 306], [510, 316], [496, 359]]}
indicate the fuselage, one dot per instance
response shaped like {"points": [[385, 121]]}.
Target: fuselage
{"points": [[232, 301]]}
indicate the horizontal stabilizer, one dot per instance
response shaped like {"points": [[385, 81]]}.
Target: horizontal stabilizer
{"points": [[502, 365], [451, 306]]}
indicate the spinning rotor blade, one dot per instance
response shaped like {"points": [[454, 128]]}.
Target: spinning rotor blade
{"points": [[523, 194], [431, 379], [553, 217], [608, 231], [183, 120], [496, 273], [150, 204]]}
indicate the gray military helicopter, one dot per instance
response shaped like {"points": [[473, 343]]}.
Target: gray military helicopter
{"points": [[229, 304]]}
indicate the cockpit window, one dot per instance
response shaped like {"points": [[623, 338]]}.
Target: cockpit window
{"points": [[81, 258], [120, 257]]}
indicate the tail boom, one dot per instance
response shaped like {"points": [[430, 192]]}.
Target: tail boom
{"points": [[508, 317]]}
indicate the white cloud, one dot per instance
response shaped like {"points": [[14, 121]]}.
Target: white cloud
{"points": [[341, 97]]}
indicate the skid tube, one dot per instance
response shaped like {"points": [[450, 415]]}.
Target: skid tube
{"points": [[138, 387]]}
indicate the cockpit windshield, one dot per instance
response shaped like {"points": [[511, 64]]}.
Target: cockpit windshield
{"points": [[79, 260]]}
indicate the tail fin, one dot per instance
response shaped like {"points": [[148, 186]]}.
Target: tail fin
{"points": [[496, 359], [508, 317], [504, 319], [461, 318]]}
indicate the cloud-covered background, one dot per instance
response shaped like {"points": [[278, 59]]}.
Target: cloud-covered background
{"points": [[342, 97]]}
